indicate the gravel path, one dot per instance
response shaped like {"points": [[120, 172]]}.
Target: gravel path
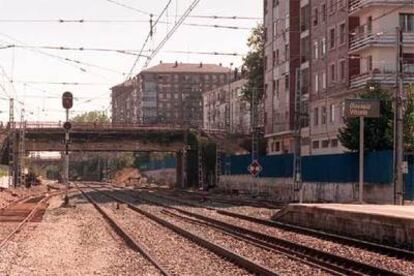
{"points": [[406, 267], [179, 255], [71, 241]]}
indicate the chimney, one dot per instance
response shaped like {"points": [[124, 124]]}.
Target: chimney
{"points": [[201, 65], [176, 64]]}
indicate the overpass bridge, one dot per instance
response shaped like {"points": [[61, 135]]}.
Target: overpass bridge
{"points": [[92, 137]]}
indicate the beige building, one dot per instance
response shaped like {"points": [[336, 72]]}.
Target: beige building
{"points": [[168, 93], [224, 109]]}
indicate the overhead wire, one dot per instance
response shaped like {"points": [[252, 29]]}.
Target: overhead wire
{"points": [[150, 33]]}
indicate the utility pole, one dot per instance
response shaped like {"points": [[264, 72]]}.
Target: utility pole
{"points": [[22, 150], [398, 135], [297, 158], [12, 139]]}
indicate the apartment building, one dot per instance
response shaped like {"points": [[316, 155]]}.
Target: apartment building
{"points": [[224, 109], [168, 93], [344, 44], [282, 58]]}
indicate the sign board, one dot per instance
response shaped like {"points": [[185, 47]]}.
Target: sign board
{"points": [[67, 125], [368, 108], [405, 167], [255, 168], [67, 100]]}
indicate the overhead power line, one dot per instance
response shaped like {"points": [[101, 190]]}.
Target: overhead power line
{"points": [[150, 33], [172, 31]]}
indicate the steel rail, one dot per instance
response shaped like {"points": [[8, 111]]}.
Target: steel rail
{"points": [[130, 242], [366, 245], [24, 221], [320, 258], [222, 252]]}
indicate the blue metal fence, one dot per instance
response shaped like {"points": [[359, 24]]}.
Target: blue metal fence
{"points": [[339, 168], [166, 163]]}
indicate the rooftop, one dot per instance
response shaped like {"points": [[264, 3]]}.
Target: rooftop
{"points": [[187, 68]]}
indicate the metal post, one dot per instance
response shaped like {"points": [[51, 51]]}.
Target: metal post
{"points": [[398, 135], [12, 139], [361, 160], [66, 160], [297, 166]]}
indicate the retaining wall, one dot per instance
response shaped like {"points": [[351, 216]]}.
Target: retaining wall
{"points": [[281, 190]]}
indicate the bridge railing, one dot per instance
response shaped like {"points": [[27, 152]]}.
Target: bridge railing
{"points": [[96, 125]]}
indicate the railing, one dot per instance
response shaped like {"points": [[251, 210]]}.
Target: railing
{"points": [[364, 39], [98, 125], [385, 78], [355, 5]]}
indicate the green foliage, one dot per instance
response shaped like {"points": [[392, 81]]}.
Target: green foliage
{"points": [[91, 116], [253, 65], [378, 132], [409, 120]]}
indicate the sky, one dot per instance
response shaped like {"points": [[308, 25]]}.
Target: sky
{"points": [[33, 76]]}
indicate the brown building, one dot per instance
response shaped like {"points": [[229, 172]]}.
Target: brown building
{"points": [[344, 44], [168, 93]]}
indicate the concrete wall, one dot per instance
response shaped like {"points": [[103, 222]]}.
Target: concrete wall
{"points": [[281, 190]]}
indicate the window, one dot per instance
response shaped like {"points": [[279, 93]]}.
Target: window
{"points": [[324, 80], [274, 87], [323, 115], [342, 33], [265, 6], [369, 63], [316, 83], [265, 63], [323, 13], [277, 56], [334, 143], [277, 87], [342, 69], [287, 83], [325, 144], [315, 16], [369, 25], [332, 113], [274, 58], [323, 47], [275, 3], [316, 49], [332, 38], [277, 146], [315, 144], [407, 22], [316, 116], [286, 52], [332, 72]]}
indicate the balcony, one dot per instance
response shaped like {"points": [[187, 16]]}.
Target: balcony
{"points": [[363, 40], [356, 5], [382, 77]]}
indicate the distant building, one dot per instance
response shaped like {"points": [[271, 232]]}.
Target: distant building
{"points": [[168, 93], [225, 110]]}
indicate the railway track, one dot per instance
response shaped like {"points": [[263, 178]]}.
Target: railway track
{"points": [[365, 245], [330, 262], [19, 213], [225, 254]]}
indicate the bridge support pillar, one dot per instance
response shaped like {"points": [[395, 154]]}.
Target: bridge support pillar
{"points": [[180, 170]]}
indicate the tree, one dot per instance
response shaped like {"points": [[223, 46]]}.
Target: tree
{"points": [[409, 120], [253, 65], [91, 116], [378, 132]]}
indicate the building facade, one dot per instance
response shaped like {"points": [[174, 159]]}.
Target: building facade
{"points": [[282, 58], [344, 45], [224, 109], [168, 93]]}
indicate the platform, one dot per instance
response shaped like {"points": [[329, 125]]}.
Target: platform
{"points": [[387, 224]]}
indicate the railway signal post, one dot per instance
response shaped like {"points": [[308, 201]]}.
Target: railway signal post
{"points": [[67, 102]]}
